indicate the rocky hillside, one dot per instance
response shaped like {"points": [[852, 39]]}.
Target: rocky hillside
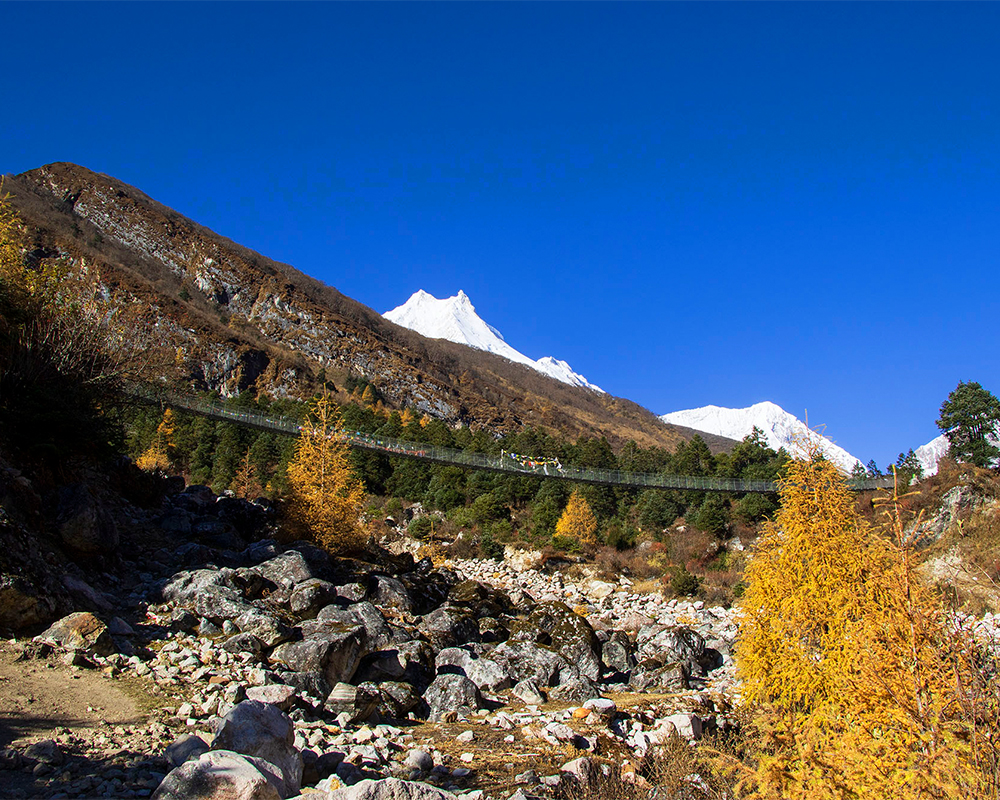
{"points": [[229, 319]]}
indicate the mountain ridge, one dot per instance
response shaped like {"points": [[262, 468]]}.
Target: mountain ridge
{"points": [[238, 321]]}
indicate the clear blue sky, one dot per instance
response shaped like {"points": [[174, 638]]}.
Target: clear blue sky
{"points": [[691, 203]]}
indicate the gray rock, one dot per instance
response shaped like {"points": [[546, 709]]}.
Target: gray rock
{"points": [[184, 748], [46, 752], [449, 626], [581, 769], [83, 523], [276, 694], [420, 759], [352, 592], [220, 603], [357, 702], [263, 731], [265, 627], [452, 693], [308, 597], [287, 570], [411, 661], [390, 593], [653, 676], [333, 650], [617, 653], [529, 661], [364, 614], [184, 587], [241, 643], [222, 775], [672, 643], [398, 698], [487, 674], [391, 789], [556, 625], [528, 693]]}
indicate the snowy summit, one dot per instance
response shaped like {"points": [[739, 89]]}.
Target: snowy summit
{"points": [[455, 319], [781, 429]]}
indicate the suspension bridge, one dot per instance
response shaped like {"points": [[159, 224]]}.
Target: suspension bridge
{"points": [[506, 462]]}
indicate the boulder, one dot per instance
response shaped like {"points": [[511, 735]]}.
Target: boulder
{"points": [[288, 569], [261, 730], [672, 643], [391, 593], [398, 698], [653, 675], [184, 587], [185, 748], [364, 614], [80, 632], [452, 693], [487, 674], [449, 626], [529, 661], [276, 694], [333, 650], [83, 523], [222, 775], [358, 702], [22, 603], [616, 653], [308, 597], [391, 789], [412, 662], [556, 625], [265, 627]]}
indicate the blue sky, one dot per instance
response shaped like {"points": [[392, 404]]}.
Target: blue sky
{"points": [[691, 203]]}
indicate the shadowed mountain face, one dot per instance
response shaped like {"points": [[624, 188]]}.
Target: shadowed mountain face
{"points": [[233, 320]]}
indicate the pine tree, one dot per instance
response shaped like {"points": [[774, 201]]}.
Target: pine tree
{"points": [[578, 521], [326, 498], [970, 418]]}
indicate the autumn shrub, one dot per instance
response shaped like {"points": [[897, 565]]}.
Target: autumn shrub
{"points": [[67, 346], [326, 498], [856, 677]]}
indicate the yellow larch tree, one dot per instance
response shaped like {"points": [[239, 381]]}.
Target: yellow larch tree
{"points": [[245, 483], [160, 453], [326, 497], [578, 521], [849, 667]]}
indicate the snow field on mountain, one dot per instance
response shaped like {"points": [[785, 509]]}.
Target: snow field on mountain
{"points": [[455, 319], [780, 428]]}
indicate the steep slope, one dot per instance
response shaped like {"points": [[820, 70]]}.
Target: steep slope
{"points": [[781, 429], [229, 319], [456, 320]]}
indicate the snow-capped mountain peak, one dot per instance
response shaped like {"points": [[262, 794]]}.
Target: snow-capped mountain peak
{"points": [[455, 319], [781, 429]]}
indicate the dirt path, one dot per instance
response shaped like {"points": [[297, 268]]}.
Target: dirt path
{"points": [[38, 696]]}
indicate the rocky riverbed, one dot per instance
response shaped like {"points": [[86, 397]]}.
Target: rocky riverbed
{"points": [[276, 670]]}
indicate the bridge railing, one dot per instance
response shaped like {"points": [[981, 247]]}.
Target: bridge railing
{"points": [[446, 455]]}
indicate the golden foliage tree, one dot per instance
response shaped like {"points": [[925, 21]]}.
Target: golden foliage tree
{"points": [[326, 498], [246, 483], [855, 681], [160, 453], [578, 521]]}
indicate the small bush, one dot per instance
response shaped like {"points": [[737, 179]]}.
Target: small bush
{"points": [[684, 583], [420, 528]]}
